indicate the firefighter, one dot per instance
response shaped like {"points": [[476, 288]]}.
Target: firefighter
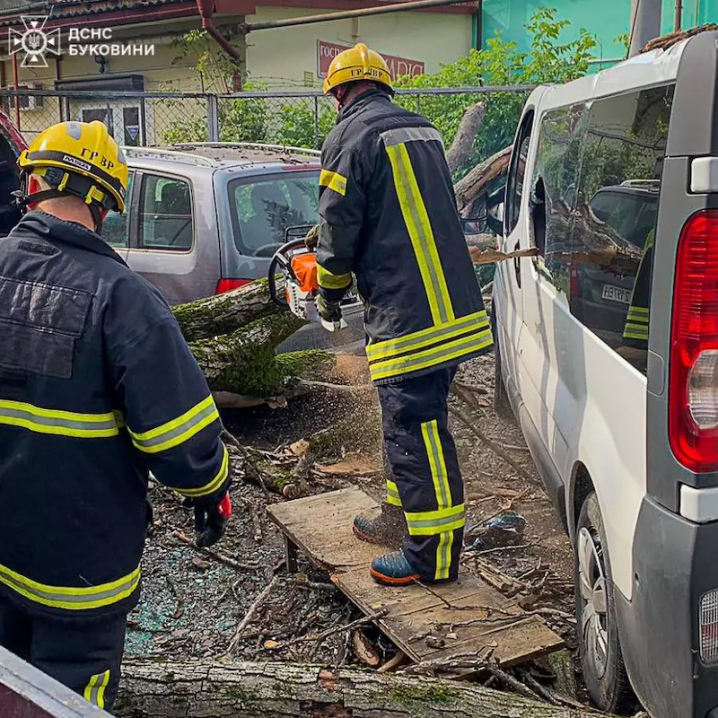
{"points": [[635, 332], [97, 389], [388, 214]]}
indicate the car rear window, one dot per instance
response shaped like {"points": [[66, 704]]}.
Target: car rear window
{"points": [[264, 208]]}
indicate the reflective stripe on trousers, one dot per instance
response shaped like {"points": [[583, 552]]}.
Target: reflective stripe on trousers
{"points": [[424, 468], [95, 690]]}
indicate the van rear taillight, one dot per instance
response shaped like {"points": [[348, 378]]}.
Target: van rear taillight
{"points": [[693, 390], [226, 285]]}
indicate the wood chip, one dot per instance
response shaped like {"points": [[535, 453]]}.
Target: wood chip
{"points": [[351, 466], [200, 565], [364, 650], [299, 448], [393, 663]]}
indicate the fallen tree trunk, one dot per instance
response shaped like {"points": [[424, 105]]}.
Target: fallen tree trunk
{"points": [[257, 690], [225, 313], [463, 145], [471, 186], [244, 362]]}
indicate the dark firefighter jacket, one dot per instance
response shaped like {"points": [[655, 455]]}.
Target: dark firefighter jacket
{"points": [[388, 214], [635, 331], [97, 387]]}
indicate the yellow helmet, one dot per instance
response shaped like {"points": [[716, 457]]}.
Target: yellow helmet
{"points": [[357, 63], [82, 159]]}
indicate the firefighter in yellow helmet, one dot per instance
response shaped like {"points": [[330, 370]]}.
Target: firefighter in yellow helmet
{"points": [[97, 389], [388, 215]]}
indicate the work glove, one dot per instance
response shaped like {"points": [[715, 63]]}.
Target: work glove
{"points": [[312, 238], [329, 311], [210, 518]]}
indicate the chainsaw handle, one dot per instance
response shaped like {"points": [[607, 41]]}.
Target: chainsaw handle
{"points": [[281, 259]]}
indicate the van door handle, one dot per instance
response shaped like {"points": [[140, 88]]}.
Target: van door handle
{"points": [[517, 264]]}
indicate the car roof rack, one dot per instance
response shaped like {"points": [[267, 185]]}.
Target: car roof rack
{"points": [[162, 152], [650, 184], [250, 145]]}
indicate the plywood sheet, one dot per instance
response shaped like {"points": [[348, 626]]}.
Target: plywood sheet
{"points": [[468, 615]]}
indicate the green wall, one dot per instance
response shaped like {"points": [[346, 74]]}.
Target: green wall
{"points": [[605, 19]]}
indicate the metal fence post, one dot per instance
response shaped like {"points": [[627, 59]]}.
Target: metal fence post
{"points": [[143, 121], [316, 123], [213, 118]]}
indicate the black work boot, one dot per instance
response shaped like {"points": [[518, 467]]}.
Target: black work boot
{"points": [[386, 529]]}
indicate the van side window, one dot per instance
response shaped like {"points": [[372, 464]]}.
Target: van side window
{"points": [[115, 227], [515, 182], [615, 219], [553, 190], [165, 214]]}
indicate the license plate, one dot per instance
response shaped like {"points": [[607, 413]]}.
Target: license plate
{"points": [[616, 294]]}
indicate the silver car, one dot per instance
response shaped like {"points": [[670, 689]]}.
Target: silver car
{"points": [[206, 218]]}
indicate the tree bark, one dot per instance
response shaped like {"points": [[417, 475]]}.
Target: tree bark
{"points": [[244, 362], [463, 145], [471, 186], [225, 313], [281, 690]]}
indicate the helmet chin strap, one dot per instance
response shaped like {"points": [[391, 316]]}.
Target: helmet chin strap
{"points": [[21, 199]]}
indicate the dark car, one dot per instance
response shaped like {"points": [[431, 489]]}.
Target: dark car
{"points": [[600, 299]]}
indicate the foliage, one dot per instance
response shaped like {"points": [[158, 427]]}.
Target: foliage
{"points": [[299, 127], [240, 120], [216, 70], [501, 64]]}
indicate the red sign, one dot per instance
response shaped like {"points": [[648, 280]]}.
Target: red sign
{"points": [[398, 66]]}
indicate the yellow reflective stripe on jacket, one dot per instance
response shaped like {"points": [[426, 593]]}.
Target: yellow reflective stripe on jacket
{"points": [[53, 421], [71, 599], [639, 314], [426, 337], [392, 494], [421, 234], [213, 485], [431, 523], [179, 430], [95, 689], [332, 281], [431, 357], [334, 181], [636, 324]]}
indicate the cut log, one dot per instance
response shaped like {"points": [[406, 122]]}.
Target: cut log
{"points": [[225, 313], [257, 690], [475, 182]]}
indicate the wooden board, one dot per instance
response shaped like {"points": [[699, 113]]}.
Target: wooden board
{"points": [[321, 526]]}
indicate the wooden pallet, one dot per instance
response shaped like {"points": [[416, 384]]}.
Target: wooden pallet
{"points": [[321, 527]]}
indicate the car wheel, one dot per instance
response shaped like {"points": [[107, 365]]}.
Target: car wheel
{"points": [[502, 406], [604, 671]]}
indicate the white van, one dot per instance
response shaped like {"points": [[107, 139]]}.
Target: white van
{"points": [[607, 353]]}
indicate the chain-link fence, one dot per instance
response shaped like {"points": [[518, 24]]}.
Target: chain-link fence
{"points": [[298, 119]]}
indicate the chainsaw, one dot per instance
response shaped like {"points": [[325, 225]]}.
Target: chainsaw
{"points": [[296, 265]]}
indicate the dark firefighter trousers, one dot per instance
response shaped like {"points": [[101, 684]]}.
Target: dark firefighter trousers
{"points": [[424, 476], [83, 654]]}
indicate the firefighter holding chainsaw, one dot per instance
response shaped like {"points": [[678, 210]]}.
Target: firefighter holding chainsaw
{"points": [[388, 215], [97, 389]]}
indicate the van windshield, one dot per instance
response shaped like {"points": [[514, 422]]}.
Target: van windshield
{"points": [[263, 210]]}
